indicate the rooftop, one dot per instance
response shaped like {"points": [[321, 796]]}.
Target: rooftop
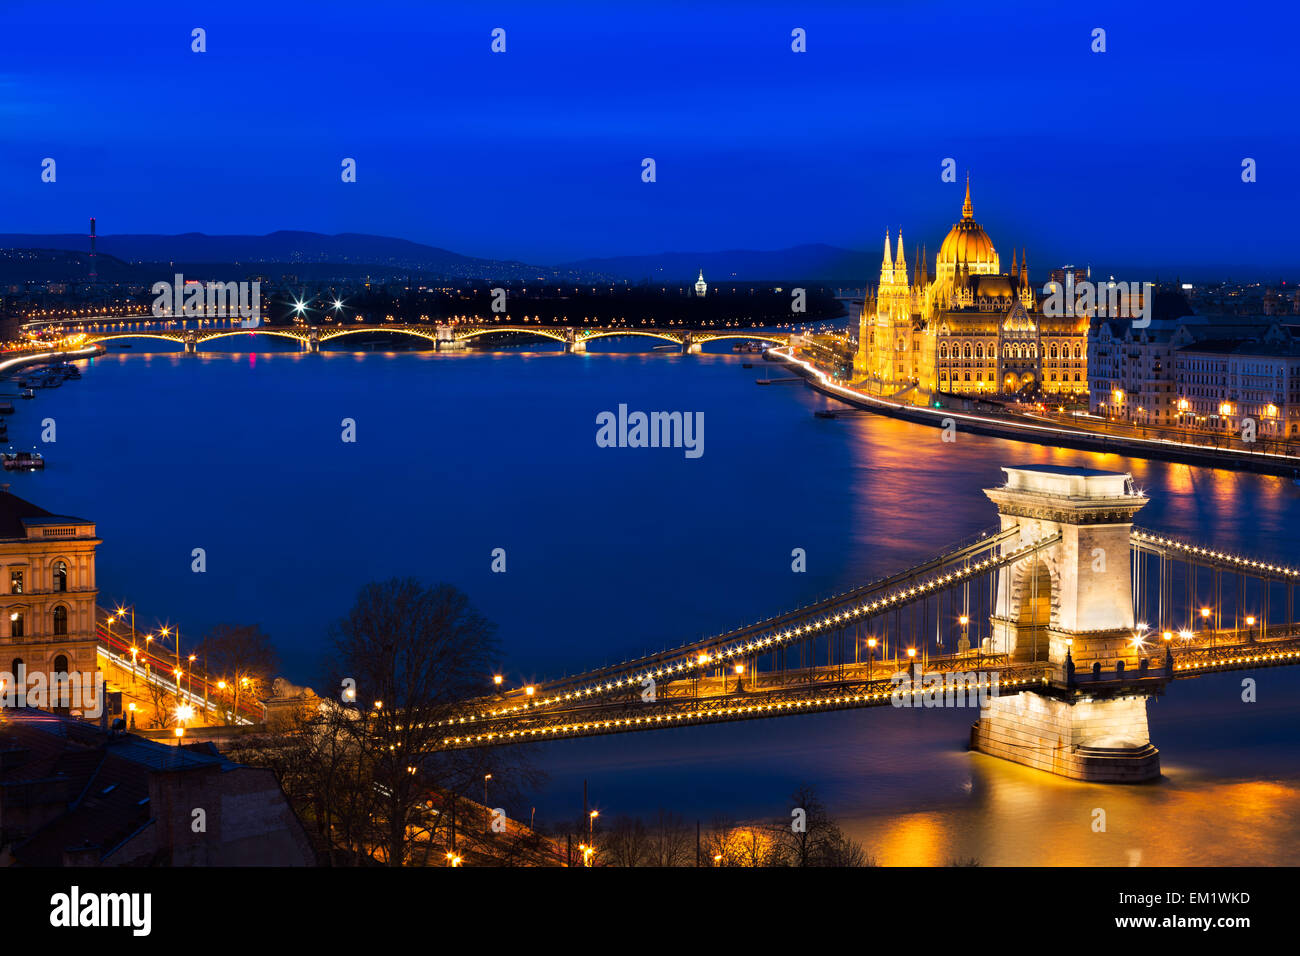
{"points": [[16, 514]]}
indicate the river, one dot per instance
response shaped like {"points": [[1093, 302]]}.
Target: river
{"points": [[613, 552]]}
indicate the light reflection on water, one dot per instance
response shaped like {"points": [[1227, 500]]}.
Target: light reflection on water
{"points": [[614, 553]]}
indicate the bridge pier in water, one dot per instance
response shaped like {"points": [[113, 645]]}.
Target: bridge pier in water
{"points": [[573, 344], [445, 338], [1070, 604], [690, 346]]}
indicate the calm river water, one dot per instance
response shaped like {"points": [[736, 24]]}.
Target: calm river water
{"points": [[615, 552]]}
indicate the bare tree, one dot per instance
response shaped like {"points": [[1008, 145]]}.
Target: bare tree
{"points": [[811, 838], [626, 843], [415, 654], [671, 841], [241, 655]]}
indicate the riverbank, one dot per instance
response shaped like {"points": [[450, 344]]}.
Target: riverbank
{"points": [[1266, 463], [49, 355]]}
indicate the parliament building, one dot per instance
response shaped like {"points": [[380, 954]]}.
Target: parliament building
{"points": [[969, 328]]}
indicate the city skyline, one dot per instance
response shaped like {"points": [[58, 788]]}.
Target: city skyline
{"points": [[756, 146]]}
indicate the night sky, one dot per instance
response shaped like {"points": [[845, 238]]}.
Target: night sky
{"points": [[1131, 158]]}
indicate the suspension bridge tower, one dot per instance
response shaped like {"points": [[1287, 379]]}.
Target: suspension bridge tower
{"points": [[1069, 604]]}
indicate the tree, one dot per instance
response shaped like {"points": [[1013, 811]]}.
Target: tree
{"points": [[626, 843], [415, 654], [671, 841], [813, 839], [241, 655]]}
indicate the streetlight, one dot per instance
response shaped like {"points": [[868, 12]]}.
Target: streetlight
{"points": [[190, 683], [486, 778], [871, 656]]}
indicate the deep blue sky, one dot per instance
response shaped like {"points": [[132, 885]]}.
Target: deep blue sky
{"points": [[1128, 158]]}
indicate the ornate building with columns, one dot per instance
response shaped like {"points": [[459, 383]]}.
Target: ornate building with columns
{"points": [[47, 591], [968, 328]]}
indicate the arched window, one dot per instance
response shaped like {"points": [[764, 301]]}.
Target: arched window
{"points": [[59, 690], [60, 576], [15, 667], [1053, 350], [943, 350], [60, 620], [966, 351], [979, 350]]}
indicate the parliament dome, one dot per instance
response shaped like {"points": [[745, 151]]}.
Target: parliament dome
{"points": [[967, 242]]}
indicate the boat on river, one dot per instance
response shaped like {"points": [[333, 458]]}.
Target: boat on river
{"points": [[22, 461]]}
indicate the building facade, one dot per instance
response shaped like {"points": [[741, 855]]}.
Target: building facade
{"points": [[1206, 373], [47, 591], [968, 329]]}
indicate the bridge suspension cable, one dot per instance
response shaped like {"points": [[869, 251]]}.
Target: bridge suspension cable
{"points": [[889, 594]]}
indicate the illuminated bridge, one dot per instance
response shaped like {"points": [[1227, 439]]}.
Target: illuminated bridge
{"points": [[1065, 620], [445, 336]]}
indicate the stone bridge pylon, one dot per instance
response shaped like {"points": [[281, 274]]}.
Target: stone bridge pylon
{"points": [[1070, 604]]}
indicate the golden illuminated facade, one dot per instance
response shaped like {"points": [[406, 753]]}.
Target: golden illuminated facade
{"points": [[970, 328]]}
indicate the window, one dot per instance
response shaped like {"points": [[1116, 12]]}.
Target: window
{"points": [[60, 576], [15, 623], [60, 681], [15, 582], [60, 621]]}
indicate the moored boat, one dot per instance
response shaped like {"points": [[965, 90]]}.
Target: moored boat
{"points": [[22, 461]]}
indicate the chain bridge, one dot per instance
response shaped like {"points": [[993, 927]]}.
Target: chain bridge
{"points": [[1057, 627]]}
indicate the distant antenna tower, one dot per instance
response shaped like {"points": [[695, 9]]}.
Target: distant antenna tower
{"points": [[94, 276]]}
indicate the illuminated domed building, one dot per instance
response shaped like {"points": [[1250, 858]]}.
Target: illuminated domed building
{"points": [[970, 328], [701, 287]]}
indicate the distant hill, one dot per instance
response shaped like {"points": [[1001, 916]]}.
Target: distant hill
{"points": [[285, 248], [817, 261]]}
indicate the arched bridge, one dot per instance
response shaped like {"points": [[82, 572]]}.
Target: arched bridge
{"points": [[449, 336], [1057, 627]]}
